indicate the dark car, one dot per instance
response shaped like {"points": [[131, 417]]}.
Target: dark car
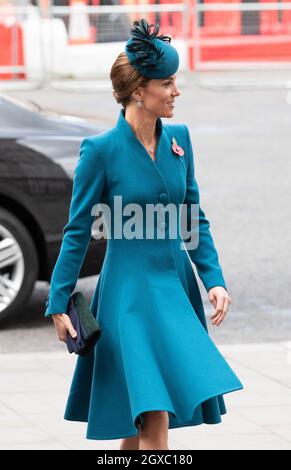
{"points": [[38, 155]]}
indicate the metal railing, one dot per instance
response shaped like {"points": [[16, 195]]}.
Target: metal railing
{"points": [[256, 33], [241, 45], [41, 45]]}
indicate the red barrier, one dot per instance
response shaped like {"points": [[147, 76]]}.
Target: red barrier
{"points": [[149, 16], [286, 19], [11, 50], [222, 38], [269, 23], [221, 22], [171, 22]]}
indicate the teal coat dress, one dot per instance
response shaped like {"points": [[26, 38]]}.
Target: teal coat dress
{"points": [[154, 352]]}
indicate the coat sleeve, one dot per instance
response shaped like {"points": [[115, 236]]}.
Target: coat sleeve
{"points": [[88, 183], [204, 255]]}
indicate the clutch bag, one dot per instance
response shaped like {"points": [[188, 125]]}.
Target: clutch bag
{"points": [[85, 324]]}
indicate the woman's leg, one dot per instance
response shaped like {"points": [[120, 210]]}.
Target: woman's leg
{"points": [[154, 432], [130, 443]]}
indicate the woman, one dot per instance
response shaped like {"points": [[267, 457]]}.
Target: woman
{"points": [[155, 366]]}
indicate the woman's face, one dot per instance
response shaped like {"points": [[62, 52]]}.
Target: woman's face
{"points": [[159, 96]]}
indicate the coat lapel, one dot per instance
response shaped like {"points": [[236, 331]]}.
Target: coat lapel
{"points": [[125, 129], [170, 169]]}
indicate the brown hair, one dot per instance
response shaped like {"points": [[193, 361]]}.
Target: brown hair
{"points": [[125, 79]]}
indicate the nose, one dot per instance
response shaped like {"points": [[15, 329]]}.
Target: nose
{"points": [[176, 91]]}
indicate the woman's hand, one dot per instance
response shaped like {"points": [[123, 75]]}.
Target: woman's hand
{"points": [[63, 326], [220, 300]]}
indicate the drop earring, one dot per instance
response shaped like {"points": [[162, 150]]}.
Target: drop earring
{"points": [[139, 104]]}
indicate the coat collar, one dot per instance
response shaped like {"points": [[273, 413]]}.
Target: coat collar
{"points": [[124, 127]]}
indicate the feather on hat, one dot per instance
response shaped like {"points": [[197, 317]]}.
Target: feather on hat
{"points": [[150, 54]]}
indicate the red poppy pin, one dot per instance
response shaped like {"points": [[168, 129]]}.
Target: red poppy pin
{"points": [[176, 148]]}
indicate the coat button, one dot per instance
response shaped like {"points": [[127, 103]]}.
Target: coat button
{"points": [[163, 197]]}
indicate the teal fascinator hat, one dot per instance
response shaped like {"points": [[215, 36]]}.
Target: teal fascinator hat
{"points": [[150, 54]]}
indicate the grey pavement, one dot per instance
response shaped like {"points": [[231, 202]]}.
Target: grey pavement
{"points": [[34, 389]]}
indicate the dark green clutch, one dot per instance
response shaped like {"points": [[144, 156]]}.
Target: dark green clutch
{"points": [[85, 324]]}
